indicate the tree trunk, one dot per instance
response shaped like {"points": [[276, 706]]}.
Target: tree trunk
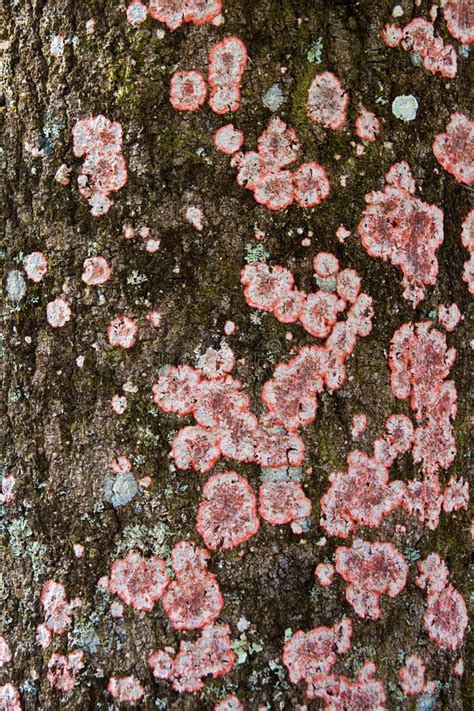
{"points": [[60, 429]]}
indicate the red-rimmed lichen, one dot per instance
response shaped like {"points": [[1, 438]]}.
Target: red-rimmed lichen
{"points": [[459, 16], [371, 569], [35, 266], [467, 239], [62, 670], [445, 617], [367, 126], [340, 693], [193, 599], [400, 227], [327, 101], [57, 610], [420, 362], [210, 655], [227, 515], [454, 149], [412, 675], [138, 581], [418, 37], [125, 689], [104, 170], [174, 12], [188, 90], [96, 271], [228, 139], [266, 172], [58, 312], [227, 62], [122, 332], [9, 698], [308, 655], [5, 652]]}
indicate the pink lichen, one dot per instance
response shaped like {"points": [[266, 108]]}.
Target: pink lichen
{"points": [[324, 572], [96, 271], [418, 37], [227, 62], [58, 312], [136, 13], [467, 239], [340, 693], [367, 126], [35, 266], [391, 35], [459, 16], [412, 675], [5, 652], [197, 448], [265, 285], [327, 101], [125, 689], [62, 670], [43, 636], [227, 515], [209, 655], [283, 502], [264, 173], [228, 139], [456, 495], [445, 618], [359, 424], [118, 403], [138, 581], [308, 655], [420, 362], [319, 313], [193, 599], [188, 90], [104, 170], [454, 149], [230, 703], [449, 317], [122, 332], [311, 184], [57, 610], [399, 227], [174, 12], [371, 569], [361, 496], [9, 698], [195, 216], [154, 318], [7, 493], [325, 264], [215, 363]]}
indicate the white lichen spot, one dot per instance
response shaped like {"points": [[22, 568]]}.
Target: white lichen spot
{"points": [[405, 107], [16, 286], [56, 47]]}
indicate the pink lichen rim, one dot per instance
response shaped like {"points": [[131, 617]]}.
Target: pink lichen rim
{"points": [[58, 312], [327, 101], [227, 515], [454, 149], [122, 332], [188, 90]]}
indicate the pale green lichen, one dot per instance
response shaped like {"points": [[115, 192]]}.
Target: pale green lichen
{"points": [[315, 52], [255, 253]]}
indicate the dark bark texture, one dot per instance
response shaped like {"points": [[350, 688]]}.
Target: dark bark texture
{"points": [[59, 430]]}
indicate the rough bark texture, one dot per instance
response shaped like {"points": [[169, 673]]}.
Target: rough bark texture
{"points": [[60, 431]]}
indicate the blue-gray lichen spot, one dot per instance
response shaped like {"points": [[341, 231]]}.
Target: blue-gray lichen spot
{"points": [[120, 489], [273, 98]]}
